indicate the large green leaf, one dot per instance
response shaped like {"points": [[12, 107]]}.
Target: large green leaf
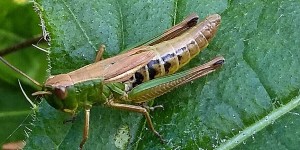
{"points": [[248, 104]]}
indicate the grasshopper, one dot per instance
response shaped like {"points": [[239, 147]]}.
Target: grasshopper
{"points": [[137, 76]]}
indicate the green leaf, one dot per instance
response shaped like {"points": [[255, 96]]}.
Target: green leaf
{"points": [[248, 104]]}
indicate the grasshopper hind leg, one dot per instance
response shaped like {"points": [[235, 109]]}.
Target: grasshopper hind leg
{"points": [[138, 109]]}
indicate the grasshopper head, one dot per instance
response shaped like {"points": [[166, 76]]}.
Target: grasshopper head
{"points": [[57, 91]]}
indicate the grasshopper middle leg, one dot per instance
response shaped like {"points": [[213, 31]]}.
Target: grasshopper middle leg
{"points": [[100, 53]]}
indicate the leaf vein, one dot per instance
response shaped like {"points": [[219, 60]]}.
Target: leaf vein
{"points": [[79, 24], [122, 44], [175, 12], [261, 124]]}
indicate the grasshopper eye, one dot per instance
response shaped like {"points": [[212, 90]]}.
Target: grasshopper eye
{"points": [[60, 92]]}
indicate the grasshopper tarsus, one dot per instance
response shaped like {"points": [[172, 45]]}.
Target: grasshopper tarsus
{"points": [[152, 108], [159, 136], [162, 140]]}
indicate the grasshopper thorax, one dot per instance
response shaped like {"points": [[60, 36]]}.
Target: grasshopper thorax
{"points": [[62, 93]]}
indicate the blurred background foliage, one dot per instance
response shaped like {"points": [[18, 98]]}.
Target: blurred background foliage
{"points": [[19, 23]]}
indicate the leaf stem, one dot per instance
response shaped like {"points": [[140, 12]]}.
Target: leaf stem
{"points": [[21, 45], [259, 125]]}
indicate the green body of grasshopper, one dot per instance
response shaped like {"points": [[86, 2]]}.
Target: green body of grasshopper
{"points": [[130, 78]]}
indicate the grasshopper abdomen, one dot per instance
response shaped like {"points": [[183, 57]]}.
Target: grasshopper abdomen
{"points": [[175, 53]]}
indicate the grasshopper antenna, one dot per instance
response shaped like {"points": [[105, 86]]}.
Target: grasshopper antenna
{"points": [[20, 72], [46, 51], [28, 99]]}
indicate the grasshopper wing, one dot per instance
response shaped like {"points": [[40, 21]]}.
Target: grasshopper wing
{"points": [[172, 32], [114, 69], [176, 30]]}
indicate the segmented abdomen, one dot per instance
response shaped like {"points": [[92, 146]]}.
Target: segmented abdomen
{"points": [[175, 53]]}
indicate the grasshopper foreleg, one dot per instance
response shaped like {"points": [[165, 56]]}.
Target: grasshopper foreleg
{"points": [[86, 127], [138, 109]]}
